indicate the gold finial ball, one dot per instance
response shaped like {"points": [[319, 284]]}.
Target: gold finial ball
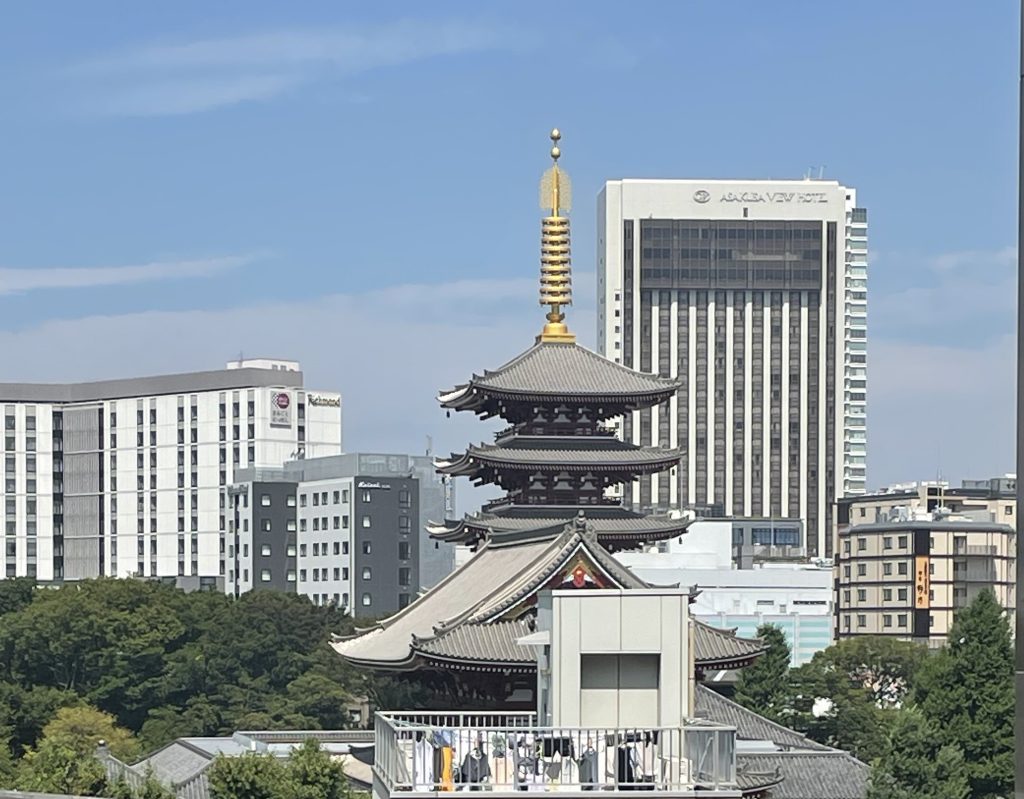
{"points": [[555, 135], [555, 152]]}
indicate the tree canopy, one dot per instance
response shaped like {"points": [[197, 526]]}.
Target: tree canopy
{"points": [[763, 686]]}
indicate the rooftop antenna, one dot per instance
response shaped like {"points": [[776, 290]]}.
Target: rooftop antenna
{"points": [[430, 445], [821, 172]]}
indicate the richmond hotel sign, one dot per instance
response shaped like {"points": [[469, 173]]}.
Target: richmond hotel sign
{"points": [[753, 197]]}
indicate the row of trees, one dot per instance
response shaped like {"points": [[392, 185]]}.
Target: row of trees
{"points": [[933, 725], [157, 663]]}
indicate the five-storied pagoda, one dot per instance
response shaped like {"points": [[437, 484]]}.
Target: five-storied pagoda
{"points": [[556, 526]]}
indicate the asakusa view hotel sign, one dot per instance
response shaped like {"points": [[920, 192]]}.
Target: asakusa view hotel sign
{"points": [[319, 400], [751, 197]]}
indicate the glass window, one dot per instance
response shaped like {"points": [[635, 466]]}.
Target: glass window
{"points": [[862, 595], [862, 620], [265, 500], [265, 550], [367, 573], [367, 600], [302, 500], [901, 567], [366, 521], [367, 548], [901, 620], [290, 501], [901, 594], [887, 594], [887, 542], [862, 569], [887, 620], [265, 575]]}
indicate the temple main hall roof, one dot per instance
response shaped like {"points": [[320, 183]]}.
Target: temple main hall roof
{"points": [[475, 615], [553, 369]]}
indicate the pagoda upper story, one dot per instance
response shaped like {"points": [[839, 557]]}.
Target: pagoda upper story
{"points": [[558, 456]]}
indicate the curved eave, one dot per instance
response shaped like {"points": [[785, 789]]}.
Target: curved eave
{"points": [[483, 666], [470, 465], [473, 397]]}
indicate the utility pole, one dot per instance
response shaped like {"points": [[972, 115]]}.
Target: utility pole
{"points": [[1019, 670]]}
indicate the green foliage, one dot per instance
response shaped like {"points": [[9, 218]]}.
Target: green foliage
{"points": [[966, 692], [834, 708], [150, 789], [83, 728], [16, 593], [308, 774], [915, 765], [249, 776], [763, 687], [58, 766], [165, 663], [885, 665], [313, 775]]}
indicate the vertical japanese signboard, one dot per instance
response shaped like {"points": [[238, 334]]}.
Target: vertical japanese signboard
{"points": [[922, 582]]}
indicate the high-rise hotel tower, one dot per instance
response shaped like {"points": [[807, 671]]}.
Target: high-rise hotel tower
{"points": [[754, 293]]}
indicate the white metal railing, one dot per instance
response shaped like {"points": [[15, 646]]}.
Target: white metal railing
{"points": [[431, 752]]}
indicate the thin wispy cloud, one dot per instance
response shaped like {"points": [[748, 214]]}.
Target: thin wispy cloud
{"points": [[191, 77], [21, 281]]}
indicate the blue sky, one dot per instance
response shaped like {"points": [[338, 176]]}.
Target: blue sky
{"points": [[354, 186]]}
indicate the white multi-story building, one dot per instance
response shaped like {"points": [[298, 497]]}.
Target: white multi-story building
{"points": [[124, 477], [754, 292]]}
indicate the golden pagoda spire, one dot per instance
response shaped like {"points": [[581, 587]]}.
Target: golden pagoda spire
{"points": [[555, 272]]}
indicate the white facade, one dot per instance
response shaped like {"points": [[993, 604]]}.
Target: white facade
{"points": [[124, 477], [797, 598], [754, 293]]}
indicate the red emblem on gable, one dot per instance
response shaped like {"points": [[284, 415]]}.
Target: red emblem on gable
{"points": [[579, 577]]}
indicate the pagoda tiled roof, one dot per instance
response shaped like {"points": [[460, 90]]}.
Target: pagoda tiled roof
{"points": [[517, 521], [552, 370], [497, 644], [573, 456], [749, 725], [494, 587]]}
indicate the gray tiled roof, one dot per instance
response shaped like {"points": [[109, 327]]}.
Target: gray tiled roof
{"points": [[611, 458], [175, 762], [648, 528], [496, 643], [749, 725], [831, 774], [562, 370], [722, 648], [493, 643]]}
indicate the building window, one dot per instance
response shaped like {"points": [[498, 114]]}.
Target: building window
{"points": [[862, 544], [290, 525], [862, 595], [901, 567], [846, 622], [337, 523], [404, 498], [862, 620], [901, 620], [366, 520], [367, 548], [337, 573], [265, 525], [887, 542], [344, 547], [1009, 510], [403, 550], [302, 575], [886, 620], [886, 594], [290, 500], [265, 550], [265, 575], [291, 577], [887, 569], [846, 572], [344, 572], [403, 524], [901, 594], [367, 600], [366, 496], [302, 550], [902, 541], [290, 551], [846, 597], [302, 500], [367, 573], [323, 498], [316, 522], [404, 577], [846, 547], [316, 498], [302, 525], [862, 569]]}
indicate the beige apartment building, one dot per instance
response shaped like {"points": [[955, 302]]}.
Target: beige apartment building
{"points": [[909, 557]]}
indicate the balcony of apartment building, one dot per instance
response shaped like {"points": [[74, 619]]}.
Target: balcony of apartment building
{"points": [[505, 753]]}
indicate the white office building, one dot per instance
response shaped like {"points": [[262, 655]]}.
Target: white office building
{"points": [[754, 292], [124, 477]]}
